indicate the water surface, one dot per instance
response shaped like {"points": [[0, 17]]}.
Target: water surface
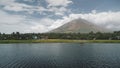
{"points": [[60, 55]]}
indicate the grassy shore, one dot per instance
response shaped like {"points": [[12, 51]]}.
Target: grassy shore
{"points": [[59, 41]]}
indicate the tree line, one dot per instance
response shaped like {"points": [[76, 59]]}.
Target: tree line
{"points": [[78, 36]]}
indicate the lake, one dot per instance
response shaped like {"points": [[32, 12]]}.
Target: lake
{"points": [[60, 55]]}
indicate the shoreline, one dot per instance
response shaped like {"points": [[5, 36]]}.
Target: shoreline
{"points": [[59, 41]]}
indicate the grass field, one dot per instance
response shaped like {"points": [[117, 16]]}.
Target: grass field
{"points": [[59, 41]]}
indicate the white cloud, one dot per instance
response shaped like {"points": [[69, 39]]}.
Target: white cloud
{"points": [[12, 5], [12, 19], [42, 25], [58, 7], [58, 2], [29, 0], [62, 21], [58, 11], [5, 2], [14, 8], [11, 23], [108, 19]]}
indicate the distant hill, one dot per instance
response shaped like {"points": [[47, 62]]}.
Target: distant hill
{"points": [[79, 26]]}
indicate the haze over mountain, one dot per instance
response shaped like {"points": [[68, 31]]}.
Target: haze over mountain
{"points": [[79, 26]]}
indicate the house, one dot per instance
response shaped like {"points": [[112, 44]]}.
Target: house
{"points": [[35, 37], [118, 37]]}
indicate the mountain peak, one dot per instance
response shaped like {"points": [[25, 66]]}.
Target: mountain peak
{"points": [[79, 26]]}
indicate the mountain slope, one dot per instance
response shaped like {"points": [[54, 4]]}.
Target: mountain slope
{"points": [[79, 25]]}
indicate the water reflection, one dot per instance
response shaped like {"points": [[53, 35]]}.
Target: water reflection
{"points": [[59, 55]]}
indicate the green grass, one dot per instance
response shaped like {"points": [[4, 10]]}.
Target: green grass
{"points": [[59, 41], [104, 41]]}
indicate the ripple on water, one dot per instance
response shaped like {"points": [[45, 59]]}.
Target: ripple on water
{"points": [[59, 56]]}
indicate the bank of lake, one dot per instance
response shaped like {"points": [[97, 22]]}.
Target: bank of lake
{"points": [[59, 41]]}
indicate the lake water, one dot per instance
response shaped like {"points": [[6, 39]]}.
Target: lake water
{"points": [[60, 55]]}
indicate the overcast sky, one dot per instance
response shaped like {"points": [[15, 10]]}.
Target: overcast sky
{"points": [[44, 15]]}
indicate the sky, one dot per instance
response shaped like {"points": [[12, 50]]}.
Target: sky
{"points": [[38, 16]]}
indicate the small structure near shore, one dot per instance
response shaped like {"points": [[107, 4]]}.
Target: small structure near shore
{"points": [[35, 37]]}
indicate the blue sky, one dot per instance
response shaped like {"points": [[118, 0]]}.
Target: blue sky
{"points": [[44, 15]]}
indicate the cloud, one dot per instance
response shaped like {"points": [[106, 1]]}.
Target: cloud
{"points": [[42, 25], [58, 11], [60, 22], [58, 7], [29, 0], [12, 5], [5, 2], [110, 20], [58, 2], [15, 8], [12, 19], [11, 23]]}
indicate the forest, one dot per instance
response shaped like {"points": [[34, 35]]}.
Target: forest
{"points": [[72, 36]]}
